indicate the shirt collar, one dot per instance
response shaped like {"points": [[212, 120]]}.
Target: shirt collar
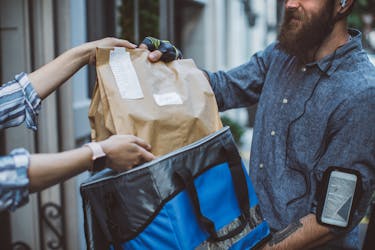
{"points": [[329, 63]]}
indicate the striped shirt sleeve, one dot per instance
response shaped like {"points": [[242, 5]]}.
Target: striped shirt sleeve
{"points": [[14, 181], [19, 102]]}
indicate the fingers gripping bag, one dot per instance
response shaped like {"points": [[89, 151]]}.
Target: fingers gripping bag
{"points": [[169, 105]]}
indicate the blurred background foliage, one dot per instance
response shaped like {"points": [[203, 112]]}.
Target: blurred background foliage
{"points": [[236, 129], [148, 19], [362, 18], [361, 8]]}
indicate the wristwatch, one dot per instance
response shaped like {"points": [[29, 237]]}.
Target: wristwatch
{"points": [[98, 156]]}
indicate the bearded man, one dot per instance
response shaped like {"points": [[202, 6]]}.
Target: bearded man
{"points": [[315, 89]]}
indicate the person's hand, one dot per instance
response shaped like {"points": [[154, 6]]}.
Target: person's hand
{"points": [[105, 42], [126, 151], [160, 50]]}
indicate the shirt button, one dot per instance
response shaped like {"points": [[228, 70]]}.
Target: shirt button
{"points": [[273, 133], [303, 69], [285, 101], [261, 165]]}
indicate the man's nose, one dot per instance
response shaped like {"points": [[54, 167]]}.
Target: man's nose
{"points": [[291, 4]]}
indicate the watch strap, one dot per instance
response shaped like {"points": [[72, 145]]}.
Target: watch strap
{"points": [[98, 156]]}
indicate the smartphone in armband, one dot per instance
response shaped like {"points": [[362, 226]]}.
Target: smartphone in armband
{"points": [[339, 195]]}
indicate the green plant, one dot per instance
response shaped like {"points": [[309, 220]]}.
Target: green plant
{"points": [[148, 11], [236, 129], [361, 7]]}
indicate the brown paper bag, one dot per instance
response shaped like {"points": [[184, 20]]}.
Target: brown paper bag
{"points": [[172, 106]]}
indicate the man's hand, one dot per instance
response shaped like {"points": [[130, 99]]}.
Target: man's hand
{"points": [[160, 50], [126, 151]]}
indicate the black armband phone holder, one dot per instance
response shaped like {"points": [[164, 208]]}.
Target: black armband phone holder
{"points": [[338, 196]]}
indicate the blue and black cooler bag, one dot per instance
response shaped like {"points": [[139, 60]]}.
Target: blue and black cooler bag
{"points": [[197, 197]]}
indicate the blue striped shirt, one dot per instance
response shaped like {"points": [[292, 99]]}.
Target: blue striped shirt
{"points": [[19, 102]]}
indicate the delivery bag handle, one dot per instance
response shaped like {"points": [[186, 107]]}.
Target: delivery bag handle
{"points": [[240, 187]]}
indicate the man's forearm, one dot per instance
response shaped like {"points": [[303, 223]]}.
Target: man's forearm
{"points": [[303, 234]]}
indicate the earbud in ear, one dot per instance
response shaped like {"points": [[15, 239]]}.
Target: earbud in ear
{"points": [[343, 3]]}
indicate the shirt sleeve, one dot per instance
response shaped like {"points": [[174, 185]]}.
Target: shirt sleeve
{"points": [[19, 102], [14, 181], [351, 144], [241, 86]]}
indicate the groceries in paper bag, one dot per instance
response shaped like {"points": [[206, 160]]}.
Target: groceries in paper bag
{"points": [[169, 105]]}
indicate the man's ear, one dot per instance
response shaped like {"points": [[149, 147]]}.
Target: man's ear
{"points": [[343, 6]]}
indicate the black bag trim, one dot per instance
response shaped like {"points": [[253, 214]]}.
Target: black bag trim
{"points": [[240, 188], [185, 176]]}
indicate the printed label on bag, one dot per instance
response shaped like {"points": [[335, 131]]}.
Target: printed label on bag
{"points": [[125, 75], [168, 99]]}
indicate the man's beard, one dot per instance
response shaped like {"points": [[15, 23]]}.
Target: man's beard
{"points": [[302, 37]]}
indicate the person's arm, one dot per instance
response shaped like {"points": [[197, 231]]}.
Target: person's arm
{"points": [[123, 152], [50, 76], [242, 86], [21, 173], [20, 99], [305, 233]]}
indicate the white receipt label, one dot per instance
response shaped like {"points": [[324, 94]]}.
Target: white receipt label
{"points": [[168, 99], [125, 75]]}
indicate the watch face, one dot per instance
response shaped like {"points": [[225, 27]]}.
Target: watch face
{"points": [[99, 163]]}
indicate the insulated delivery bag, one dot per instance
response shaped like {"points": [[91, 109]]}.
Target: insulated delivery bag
{"points": [[197, 197]]}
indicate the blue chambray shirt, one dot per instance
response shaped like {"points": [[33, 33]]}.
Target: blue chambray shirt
{"points": [[19, 102], [309, 117]]}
